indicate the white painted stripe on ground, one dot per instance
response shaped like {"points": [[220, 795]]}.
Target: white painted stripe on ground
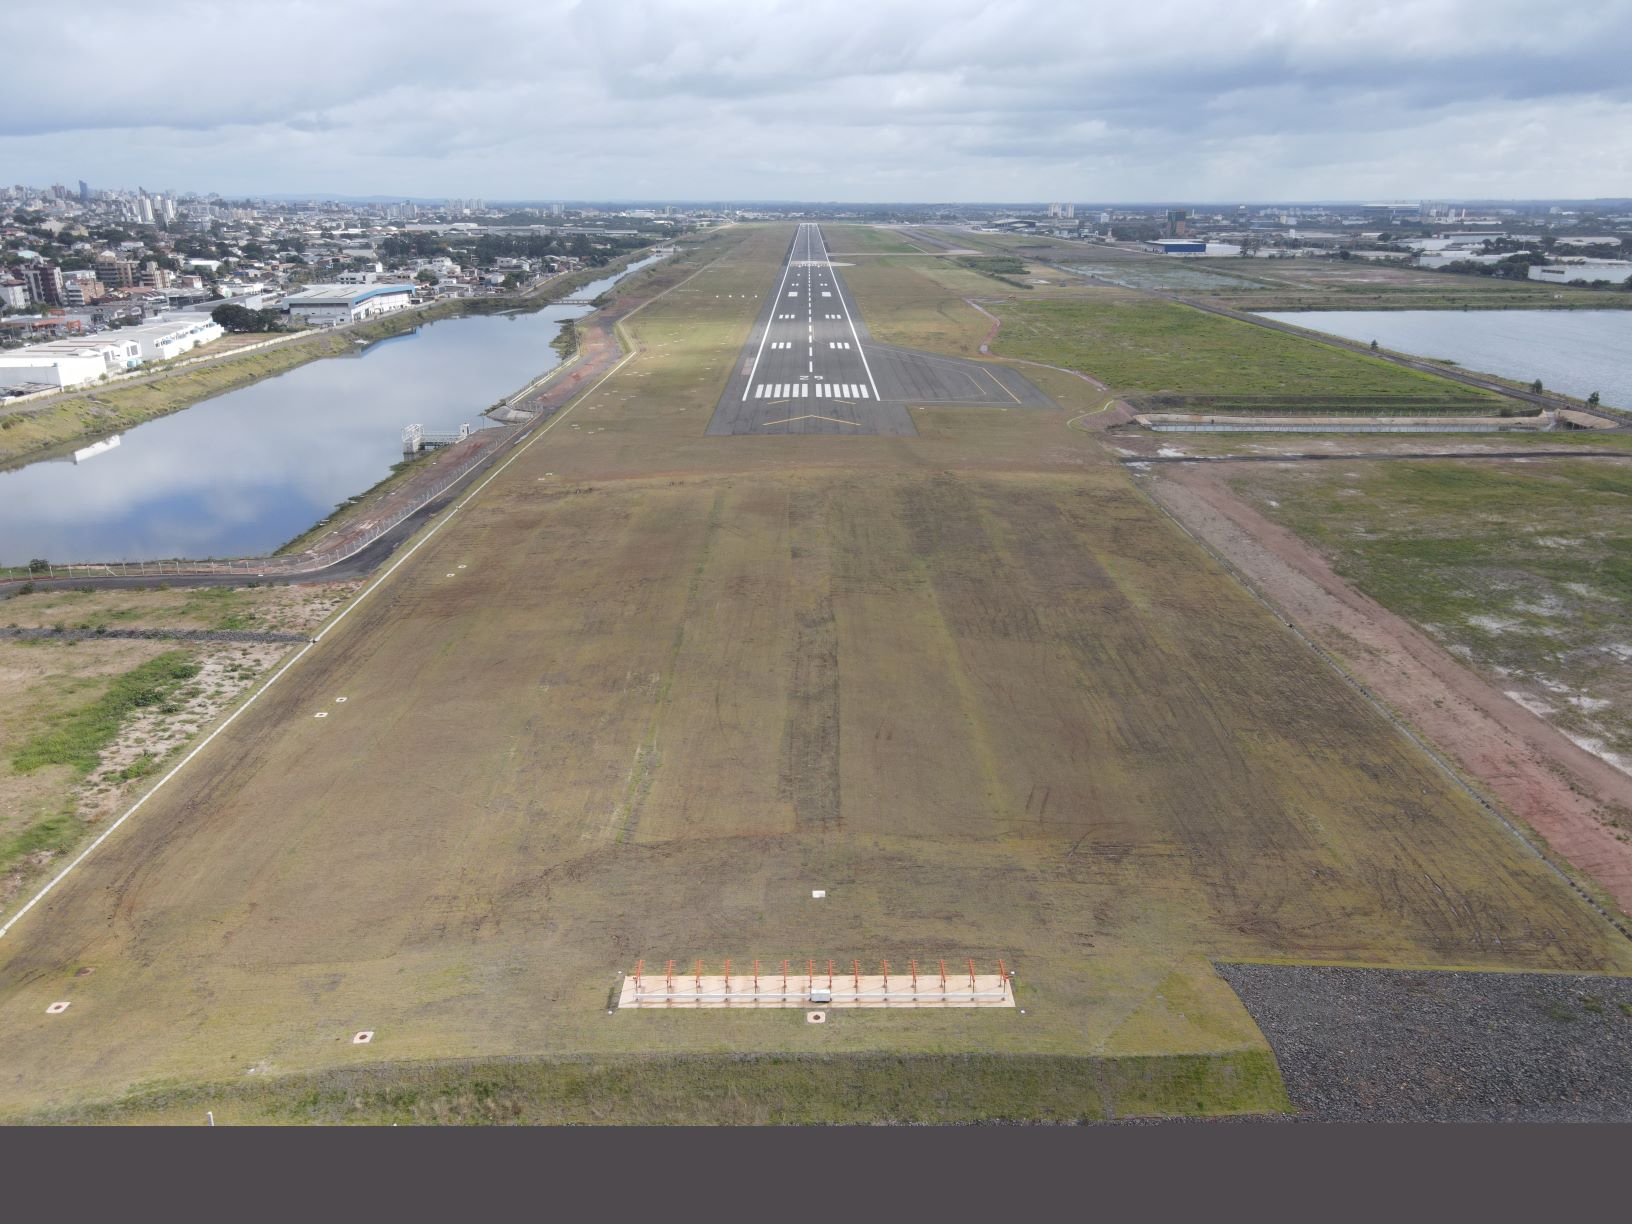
{"points": [[855, 336], [787, 268], [863, 390], [322, 633]]}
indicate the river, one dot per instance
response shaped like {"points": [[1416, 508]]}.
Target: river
{"points": [[1576, 352], [245, 472]]}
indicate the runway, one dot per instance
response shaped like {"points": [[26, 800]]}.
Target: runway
{"points": [[809, 366]]}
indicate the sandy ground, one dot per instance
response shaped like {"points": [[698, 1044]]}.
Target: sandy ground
{"points": [[1559, 789]]}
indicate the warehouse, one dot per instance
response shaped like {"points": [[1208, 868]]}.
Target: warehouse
{"points": [[68, 363], [1177, 246], [329, 305], [1583, 271], [167, 338]]}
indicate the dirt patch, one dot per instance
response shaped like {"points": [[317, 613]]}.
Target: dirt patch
{"points": [[1561, 790]]}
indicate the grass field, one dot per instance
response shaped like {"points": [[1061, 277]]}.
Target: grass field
{"points": [[1524, 568], [651, 688], [1147, 346], [83, 723]]}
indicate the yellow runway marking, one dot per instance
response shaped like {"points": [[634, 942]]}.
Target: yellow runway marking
{"points": [[812, 416], [999, 385]]}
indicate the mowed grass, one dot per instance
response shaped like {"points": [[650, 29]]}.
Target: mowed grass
{"points": [[971, 684], [1148, 346], [1525, 569]]}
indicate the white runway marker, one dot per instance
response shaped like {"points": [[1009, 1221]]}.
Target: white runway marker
{"points": [[56, 1009], [321, 714], [363, 1038]]}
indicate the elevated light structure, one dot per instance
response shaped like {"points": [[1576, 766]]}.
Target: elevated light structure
{"points": [[833, 988]]}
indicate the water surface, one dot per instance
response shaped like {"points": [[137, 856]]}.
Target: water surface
{"points": [[245, 472], [1573, 351]]}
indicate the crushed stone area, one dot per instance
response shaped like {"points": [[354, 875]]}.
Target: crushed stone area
{"points": [[1387, 1045]]}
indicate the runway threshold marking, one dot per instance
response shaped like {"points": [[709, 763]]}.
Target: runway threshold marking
{"points": [[351, 607]]}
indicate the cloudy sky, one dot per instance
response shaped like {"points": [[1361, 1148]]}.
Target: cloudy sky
{"points": [[856, 100]]}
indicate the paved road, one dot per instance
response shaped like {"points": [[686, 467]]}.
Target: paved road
{"points": [[810, 367]]}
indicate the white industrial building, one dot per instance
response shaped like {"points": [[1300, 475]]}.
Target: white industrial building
{"points": [[328, 305], [1576, 271], [68, 363], [79, 360], [163, 339]]}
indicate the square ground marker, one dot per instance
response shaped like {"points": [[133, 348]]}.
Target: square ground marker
{"points": [[56, 1009], [363, 1038]]}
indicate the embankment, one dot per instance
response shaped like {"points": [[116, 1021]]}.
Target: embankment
{"points": [[750, 1089]]}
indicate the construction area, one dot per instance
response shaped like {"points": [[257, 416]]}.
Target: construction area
{"points": [[647, 692]]}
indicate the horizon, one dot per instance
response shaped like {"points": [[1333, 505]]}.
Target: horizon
{"points": [[795, 102]]}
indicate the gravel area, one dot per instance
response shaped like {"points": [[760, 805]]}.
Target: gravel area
{"points": [[1385, 1045], [25, 633]]}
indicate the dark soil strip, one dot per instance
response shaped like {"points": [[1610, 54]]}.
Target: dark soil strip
{"points": [[158, 635], [1384, 1045], [810, 736]]}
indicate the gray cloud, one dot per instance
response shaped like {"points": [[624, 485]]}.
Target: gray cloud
{"points": [[823, 99]]}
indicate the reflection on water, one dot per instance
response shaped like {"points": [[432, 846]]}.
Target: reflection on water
{"points": [[242, 473], [1573, 351]]}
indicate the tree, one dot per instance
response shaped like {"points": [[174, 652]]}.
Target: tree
{"points": [[1592, 400], [235, 318], [1374, 346], [426, 277], [1536, 386]]}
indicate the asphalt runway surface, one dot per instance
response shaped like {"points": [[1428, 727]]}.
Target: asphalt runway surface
{"points": [[809, 366]]}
